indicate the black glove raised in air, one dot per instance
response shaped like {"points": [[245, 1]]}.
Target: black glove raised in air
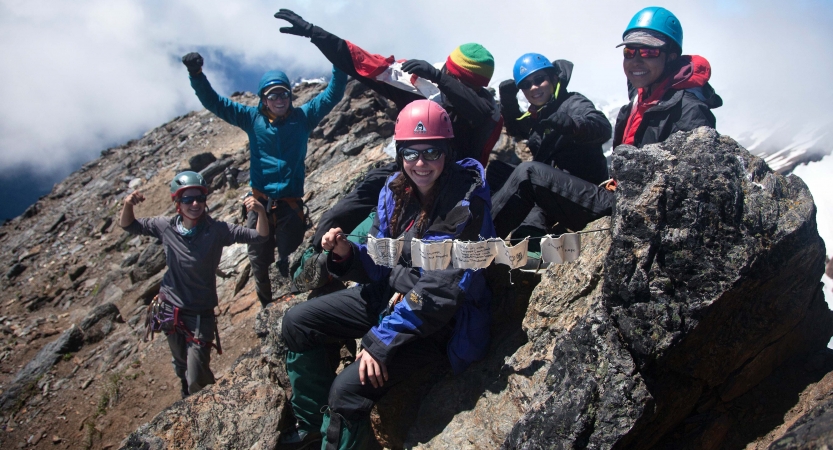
{"points": [[508, 91], [193, 61], [300, 27], [422, 69]]}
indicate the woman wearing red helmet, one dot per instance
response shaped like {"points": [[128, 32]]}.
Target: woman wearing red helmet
{"points": [[406, 317]]}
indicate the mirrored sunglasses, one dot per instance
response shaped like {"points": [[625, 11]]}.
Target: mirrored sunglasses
{"points": [[533, 80], [187, 200], [644, 52], [283, 95], [429, 154]]}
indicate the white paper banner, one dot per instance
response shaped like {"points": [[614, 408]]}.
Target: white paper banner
{"points": [[431, 255], [565, 248], [473, 255], [514, 256], [385, 251], [394, 76]]}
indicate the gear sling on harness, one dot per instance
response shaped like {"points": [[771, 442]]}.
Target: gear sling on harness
{"points": [[162, 316]]}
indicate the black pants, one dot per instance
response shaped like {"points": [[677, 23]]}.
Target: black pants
{"points": [[332, 318], [561, 197], [286, 232], [350, 211]]}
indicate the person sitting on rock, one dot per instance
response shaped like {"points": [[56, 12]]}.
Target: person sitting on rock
{"points": [[278, 134], [565, 134], [193, 244], [406, 317], [670, 93], [462, 84]]}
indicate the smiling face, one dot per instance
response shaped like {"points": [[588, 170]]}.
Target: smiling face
{"points": [[643, 72], [193, 210], [423, 173], [278, 106], [541, 90]]}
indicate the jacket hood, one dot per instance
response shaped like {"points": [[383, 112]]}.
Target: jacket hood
{"points": [[272, 77], [565, 71], [690, 73]]}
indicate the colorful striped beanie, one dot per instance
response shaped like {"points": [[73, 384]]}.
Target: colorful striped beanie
{"points": [[471, 63]]}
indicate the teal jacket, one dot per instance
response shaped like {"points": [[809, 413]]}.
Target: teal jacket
{"points": [[277, 149]]}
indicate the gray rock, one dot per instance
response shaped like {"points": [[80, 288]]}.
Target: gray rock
{"points": [[15, 270], [75, 272], [200, 161], [100, 322], [714, 260], [150, 262], [353, 148], [26, 379], [216, 168], [241, 411]]}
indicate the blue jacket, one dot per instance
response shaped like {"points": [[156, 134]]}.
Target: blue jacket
{"points": [[436, 297], [277, 149]]}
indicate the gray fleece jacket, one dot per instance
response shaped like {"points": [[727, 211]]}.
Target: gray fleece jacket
{"points": [[190, 282]]}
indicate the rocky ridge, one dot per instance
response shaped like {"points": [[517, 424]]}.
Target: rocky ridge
{"points": [[696, 321]]}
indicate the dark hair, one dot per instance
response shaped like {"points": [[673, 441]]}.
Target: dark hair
{"points": [[405, 191]]}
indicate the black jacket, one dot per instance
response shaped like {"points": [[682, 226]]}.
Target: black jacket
{"points": [[678, 110], [580, 153], [474, 113]]}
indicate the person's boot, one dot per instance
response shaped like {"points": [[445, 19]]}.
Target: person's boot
{"points": [[283, 267], [312, 272], [183, 389], [296, 439]]}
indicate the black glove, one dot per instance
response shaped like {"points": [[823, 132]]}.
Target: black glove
{"points": [[300, 27], [508, 91], [561, 123], [422, 69], [193, 61]]}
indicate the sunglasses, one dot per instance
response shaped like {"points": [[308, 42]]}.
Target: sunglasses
{"points": [[429, 154], [283, 95], [536, 80], [644, 52], [187, 200]]}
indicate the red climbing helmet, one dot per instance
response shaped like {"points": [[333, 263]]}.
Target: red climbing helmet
{"points": [[423, 119]]}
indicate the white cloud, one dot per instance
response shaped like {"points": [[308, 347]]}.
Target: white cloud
{"points": [[79, 76]]}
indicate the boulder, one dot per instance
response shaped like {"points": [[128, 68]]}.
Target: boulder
{"points": [[100, 322], [237, 412], [151, 261], [200, 161], [710, 284]]}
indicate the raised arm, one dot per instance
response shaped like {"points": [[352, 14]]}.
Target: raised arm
{"points": [[127, 217], [343, 55], [324, 102], [232, 112]]}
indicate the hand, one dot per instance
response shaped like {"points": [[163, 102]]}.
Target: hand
{"points": [[561, 123], [134, 198], [508, 91], [300, 27], [335, 241], [193, 61], [422, 69], [252, 204], [371, 369]]}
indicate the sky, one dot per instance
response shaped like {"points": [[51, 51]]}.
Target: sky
{"points": [[79, 77]]}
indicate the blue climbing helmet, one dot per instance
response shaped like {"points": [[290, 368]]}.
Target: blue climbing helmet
{"points": [[657, 19], [273, 78], [528, 64]]}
